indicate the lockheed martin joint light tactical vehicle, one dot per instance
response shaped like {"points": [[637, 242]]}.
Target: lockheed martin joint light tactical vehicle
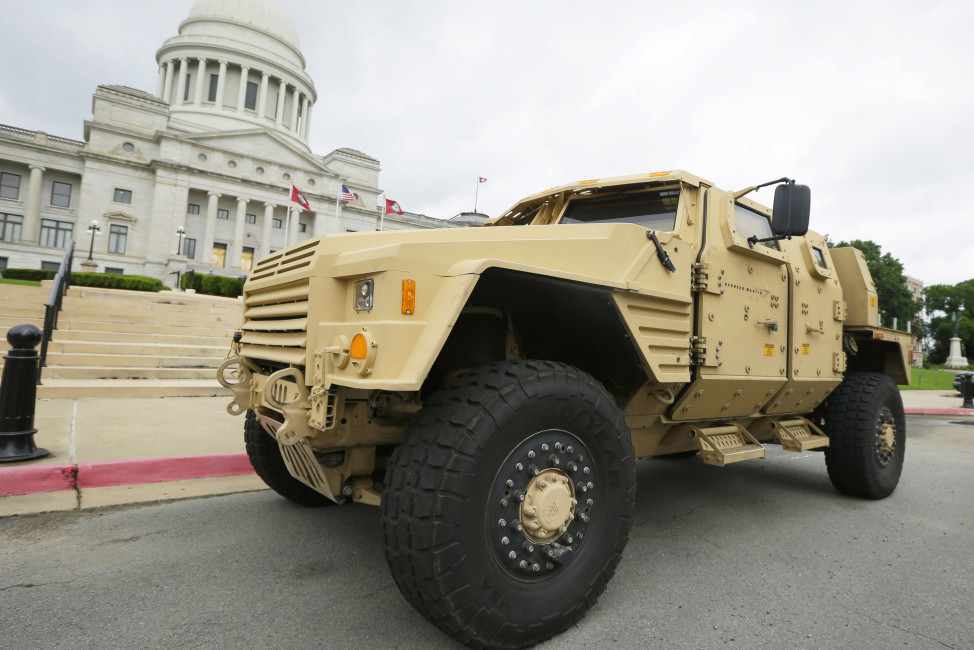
{"points": [[491, 388]]}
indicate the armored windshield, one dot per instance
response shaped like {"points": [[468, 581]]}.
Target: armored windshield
{"points": [[654, 209]]}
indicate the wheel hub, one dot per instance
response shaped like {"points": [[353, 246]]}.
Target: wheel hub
{"points": [[541, 504], [548, 506], [885, 437]]}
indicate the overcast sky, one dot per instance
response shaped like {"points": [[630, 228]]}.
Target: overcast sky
{"points": [[869, 103]]}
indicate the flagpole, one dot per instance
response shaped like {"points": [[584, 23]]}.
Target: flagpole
{"points": [[382, 213], [287, 224], [476, 194], [338, 204]]}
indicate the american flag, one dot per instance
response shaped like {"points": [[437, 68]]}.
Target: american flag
{"points": [[347, 194]]}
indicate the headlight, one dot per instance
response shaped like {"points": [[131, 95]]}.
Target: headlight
{"points": [[363, 294]]}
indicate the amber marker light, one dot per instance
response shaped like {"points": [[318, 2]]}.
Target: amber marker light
{"points": [[409, 297], [359, 348], [660, 174]]}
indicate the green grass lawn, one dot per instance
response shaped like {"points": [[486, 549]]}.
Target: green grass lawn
{"points": [[28, 283], [928, 379]]}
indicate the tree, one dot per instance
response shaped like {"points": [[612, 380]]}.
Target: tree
{"points": [[942, 302], [895, 299]]}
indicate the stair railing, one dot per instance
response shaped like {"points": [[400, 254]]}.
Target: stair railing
{"points": [[62, 281]]}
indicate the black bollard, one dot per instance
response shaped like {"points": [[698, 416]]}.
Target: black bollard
{"points": [[967, 391], [18, 390]]}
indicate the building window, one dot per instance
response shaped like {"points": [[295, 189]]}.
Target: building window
{"points": [[219, 255], [61, 194], [114, 270], [55, 234], [201, 157], [260, 170], [214, 80], [10, 225], [222, 214], [302, 227], [247, 258], [3, 263], [250, 101], [128, 147], [9, 185], [251, 218], [278, 223], [189, 248], [231, 164], [193, 208], [189, 77], [286, 176], [123, 196], [50, 266], [311, 181], [117, 237]]}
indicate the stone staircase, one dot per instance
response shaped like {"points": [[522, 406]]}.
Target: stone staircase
{"points": [[114, 343]]}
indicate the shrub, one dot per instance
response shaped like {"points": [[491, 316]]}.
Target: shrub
{"points": [[28, 274], [116, 281], [217, 285]]}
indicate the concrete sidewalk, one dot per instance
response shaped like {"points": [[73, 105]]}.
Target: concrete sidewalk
{"points": [[116, 451]]}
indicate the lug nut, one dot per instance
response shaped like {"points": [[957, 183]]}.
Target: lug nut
{"points": [[519, 467], [347, 490], [554, 460], [590, 485], [520, 496], [505, 541], [501, 522], [509, 483], [572, 467], [533, 470], [586, 471], [531, 454], [528, 547], [570, 449], [536, 567], [512, 555], [545, 447], [523, 564], [504, 503], [550, 565], [519, 526], [590, 503]]}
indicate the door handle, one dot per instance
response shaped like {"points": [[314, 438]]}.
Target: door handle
{"points": [[818, 330], [771, 324]]}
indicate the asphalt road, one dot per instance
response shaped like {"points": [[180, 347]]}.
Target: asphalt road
{"points": [[755, 555]]}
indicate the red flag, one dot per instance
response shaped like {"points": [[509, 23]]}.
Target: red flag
{"points": [[298, 198], [483, 180], [392, 207]]}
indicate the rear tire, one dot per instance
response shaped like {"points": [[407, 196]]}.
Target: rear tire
{"points": [[867, 435], [479, 512], [265, 457]]}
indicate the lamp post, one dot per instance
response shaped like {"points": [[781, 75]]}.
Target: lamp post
{"points": [[93, 229], [180, 233]]}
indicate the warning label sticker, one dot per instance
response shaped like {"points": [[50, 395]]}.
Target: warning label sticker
{"points": [[768, 350], [806, 348]]}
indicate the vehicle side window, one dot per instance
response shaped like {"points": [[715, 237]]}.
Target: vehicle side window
{"points": [[656, 210], [749, 223]]}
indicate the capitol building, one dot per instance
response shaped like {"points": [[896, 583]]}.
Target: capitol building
{"points": [[197, 175]]}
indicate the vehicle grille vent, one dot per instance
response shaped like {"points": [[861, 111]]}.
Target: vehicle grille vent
{"points": [[284, 261], [276, 323]]}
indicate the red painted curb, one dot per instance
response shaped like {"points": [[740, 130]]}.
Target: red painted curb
{"points": [[36, 478], [106, 473], [936, 411]]}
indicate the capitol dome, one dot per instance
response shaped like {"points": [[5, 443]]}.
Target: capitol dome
{"points": [[237, 64]]}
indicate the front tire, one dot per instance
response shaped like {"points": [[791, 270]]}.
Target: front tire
{"points": [[867, 435], [508, 502], [265, 457]]}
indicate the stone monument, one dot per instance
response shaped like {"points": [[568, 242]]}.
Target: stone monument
{"points": [[955, 359]]}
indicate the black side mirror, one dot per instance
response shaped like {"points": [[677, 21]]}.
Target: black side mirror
{"points": [[792, 206]]}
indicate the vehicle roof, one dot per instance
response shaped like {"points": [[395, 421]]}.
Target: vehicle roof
{"points": [[676, 175]]}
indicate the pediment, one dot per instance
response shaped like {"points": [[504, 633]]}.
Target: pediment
{"points": [[260, 144], [120, 216]]}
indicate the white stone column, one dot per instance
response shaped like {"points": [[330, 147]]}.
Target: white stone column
{"points": [[262, 96], [295, 102], [198, 99], [236, 246], [167, 90], [242, 94], [281, 94], [160, 81], [206, 250], [181, 83], [305, 114], [265, 235], [32, 219], [221, 84]]}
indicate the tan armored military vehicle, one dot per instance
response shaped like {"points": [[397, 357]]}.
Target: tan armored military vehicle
{"points": [[491, 388]]}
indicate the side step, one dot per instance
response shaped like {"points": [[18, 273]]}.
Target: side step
{"points": [[798, 435], [728, 444]]}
